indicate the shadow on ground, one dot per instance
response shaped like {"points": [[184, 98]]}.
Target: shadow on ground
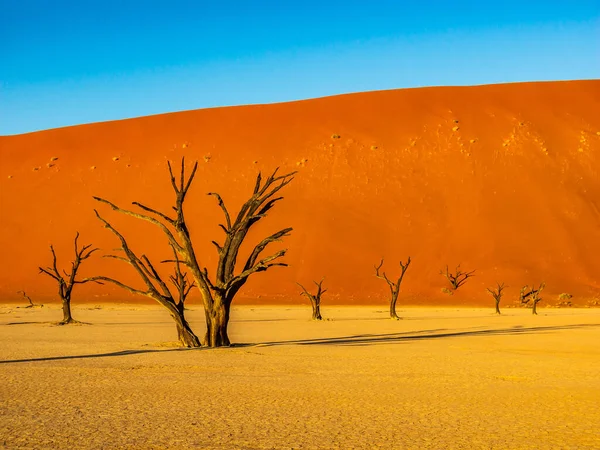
{"points": [[370, 339], [356, 340]]}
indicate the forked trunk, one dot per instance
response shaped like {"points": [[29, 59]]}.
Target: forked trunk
{"points": [[535, 308], [393, 314], [185, 335], [66, 307], [217, 320], [316, 313], [497, 307]]}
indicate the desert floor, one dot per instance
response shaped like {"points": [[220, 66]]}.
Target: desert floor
{"points": [[441, 378]]}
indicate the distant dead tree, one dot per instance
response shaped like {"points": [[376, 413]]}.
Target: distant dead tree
{"points": [[458, 278], [497, 294], [68, 282], [531, 294], [315, 299], [25, 296], [218, 295], [394, 287], [156, 288]]}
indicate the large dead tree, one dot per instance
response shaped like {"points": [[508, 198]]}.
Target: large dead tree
{"points": [[458, 278], [156, 288], [67, 282], [497, 294], [218, 293], [315, 299], [394, 286], [531, 294]]}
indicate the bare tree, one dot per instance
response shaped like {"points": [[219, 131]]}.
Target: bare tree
{"points": [[31, 304], [532, 295], [156, 288], [394, 287], [497, 294], [457, 279], [218, 295], [68, 282], [315, 299]]}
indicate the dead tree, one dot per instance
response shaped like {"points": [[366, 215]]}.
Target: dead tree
{"points": [[68, 282], [218, 294], [457, 279], [532, 295], [497, 294], [394, 287], [25, 296], [315, 299], [157, 289]]}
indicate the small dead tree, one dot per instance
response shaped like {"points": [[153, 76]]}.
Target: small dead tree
{"points": [[458, 278], [68, 282], [531, 294], [157, 289], [218, 294], [315, 299], [25, 296], [394, 287], [497, 294]]}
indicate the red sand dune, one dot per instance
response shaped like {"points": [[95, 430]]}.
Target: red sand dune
{"points": [[502, 179]]}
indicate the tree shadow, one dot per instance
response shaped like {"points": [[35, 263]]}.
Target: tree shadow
{"points": [[355, 340], [117, 353], [372, 339], [97, 355], [52, 323]]}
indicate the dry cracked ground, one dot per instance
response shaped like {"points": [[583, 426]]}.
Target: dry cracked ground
{"points": [[440, 378]]}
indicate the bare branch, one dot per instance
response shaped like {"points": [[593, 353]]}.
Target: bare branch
{"points": [[305, 292], [122, 285], [152, 220], [120, 258], [224, 208], [383, 276], [262, 244], [261, 266], [153, 211], [47, 272], [216, 244]]}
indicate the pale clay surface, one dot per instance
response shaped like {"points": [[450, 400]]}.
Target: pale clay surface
{"points": [[442, 378]]}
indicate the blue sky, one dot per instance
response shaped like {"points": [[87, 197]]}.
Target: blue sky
{"points": [[70, 62]]}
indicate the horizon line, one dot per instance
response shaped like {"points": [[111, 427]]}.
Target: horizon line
{"points": [[283, 102]]}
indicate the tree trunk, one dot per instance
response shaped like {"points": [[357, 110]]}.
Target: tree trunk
{"points": [[535, 308], [316, 307], [185, 335], [393, 314], [66, 307], [497, 307], [217, 320]]}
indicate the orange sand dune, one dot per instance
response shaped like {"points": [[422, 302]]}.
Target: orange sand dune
{"points": [[502, 179]]}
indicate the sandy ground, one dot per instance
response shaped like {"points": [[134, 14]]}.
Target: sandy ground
{"points": [[439, 378]]}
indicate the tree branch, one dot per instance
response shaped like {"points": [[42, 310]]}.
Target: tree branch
{"points": [[153, 211], [224, 208], [152, 220]]}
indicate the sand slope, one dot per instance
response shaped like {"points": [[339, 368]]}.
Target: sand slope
{"points": [[503, 179], [439, 379]]}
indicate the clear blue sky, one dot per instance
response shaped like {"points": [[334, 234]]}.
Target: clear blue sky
{"points": [[69, 62]]}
